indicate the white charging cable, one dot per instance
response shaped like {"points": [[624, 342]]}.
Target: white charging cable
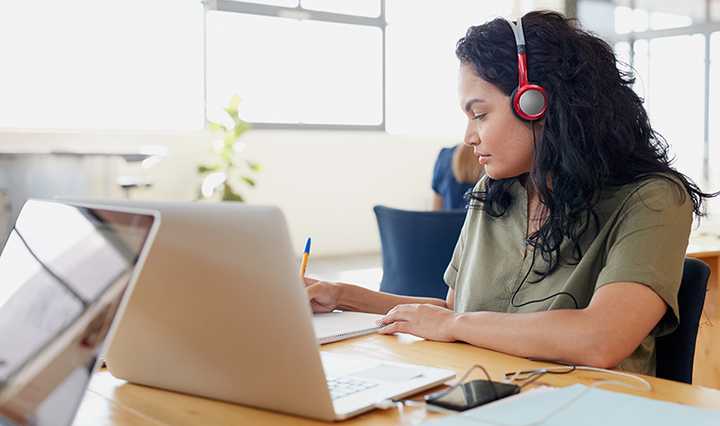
{"points": [[389, 403]]}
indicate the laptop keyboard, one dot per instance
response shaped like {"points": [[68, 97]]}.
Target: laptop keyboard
{"points": [[344, 386]]}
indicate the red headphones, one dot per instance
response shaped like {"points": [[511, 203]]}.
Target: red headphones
{"points": [[528, 100]]}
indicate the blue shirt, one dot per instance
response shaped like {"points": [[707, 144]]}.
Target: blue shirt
{"points": [[445, 184]]}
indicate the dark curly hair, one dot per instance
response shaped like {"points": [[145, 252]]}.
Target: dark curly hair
{"points": [[596, 132]]}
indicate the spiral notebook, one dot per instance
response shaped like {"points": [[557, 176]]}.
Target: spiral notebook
{"points": [[335, 326]]}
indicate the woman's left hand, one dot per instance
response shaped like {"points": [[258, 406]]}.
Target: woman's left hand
{"points": [[423, 320]]}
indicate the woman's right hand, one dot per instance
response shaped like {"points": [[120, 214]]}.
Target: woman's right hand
{"points": [[326, 296], [323, 295]]}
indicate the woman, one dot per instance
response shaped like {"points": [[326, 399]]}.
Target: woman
{"points": [[456, 171], [574, 242]]}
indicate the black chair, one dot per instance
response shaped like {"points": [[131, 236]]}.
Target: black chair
{"points": [[676, 351], [416, 249]]}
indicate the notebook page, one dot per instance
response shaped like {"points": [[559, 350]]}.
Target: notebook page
{"points": [[335, 326]]}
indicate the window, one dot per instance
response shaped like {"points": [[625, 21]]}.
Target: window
{"points": [[654, 38], [676, 97], [88, 64], [291, 71]]}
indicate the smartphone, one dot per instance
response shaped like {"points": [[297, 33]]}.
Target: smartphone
{"points": [[471, 394]]}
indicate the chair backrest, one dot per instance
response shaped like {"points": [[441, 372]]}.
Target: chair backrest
{"points": [[416, 249], [676, 351]]}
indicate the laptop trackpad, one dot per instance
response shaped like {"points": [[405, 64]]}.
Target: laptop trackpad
{"points": [[388, 373], [369, 369]]}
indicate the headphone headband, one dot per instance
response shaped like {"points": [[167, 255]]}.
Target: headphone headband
{"points": [[519, 35], [529, 100]]}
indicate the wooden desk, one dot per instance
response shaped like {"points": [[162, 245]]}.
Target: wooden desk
{"points": [[110, 401], [707, 350]]}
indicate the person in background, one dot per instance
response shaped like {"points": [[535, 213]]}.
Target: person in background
{"points": [[456, 172], [574, 240]]}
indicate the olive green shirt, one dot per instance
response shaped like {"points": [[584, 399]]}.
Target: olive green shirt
{"points": [[642, 236]]}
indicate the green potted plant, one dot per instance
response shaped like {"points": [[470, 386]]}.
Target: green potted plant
{"points": [[230, 169]]}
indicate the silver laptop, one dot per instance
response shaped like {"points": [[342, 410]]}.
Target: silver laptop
{"points": [[63, 273], [220, 311]]}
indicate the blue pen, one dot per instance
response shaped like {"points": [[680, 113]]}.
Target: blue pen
{"points": [[306, 254]]}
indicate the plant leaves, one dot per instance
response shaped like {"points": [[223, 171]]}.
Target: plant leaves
{"points": [[231, 162], [205, 169], [216, 126]]}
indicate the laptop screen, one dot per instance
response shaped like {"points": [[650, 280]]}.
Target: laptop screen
{"points": [[63, 272]]}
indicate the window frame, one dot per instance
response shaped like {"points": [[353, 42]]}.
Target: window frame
{"points": [[706, 29], [300, 13]]}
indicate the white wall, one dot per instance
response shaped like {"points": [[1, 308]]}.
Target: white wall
{"points": [[326, 182]]}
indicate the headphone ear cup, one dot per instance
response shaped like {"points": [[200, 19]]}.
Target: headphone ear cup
{"points": [[515, 105], [529, 102]]}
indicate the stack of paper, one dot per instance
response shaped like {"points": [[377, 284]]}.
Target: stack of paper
{"points": [[594, 407]]}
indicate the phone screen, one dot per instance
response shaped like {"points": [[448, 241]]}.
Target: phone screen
{"points": [[471, 394]]}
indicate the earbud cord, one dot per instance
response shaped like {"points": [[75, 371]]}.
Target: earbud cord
{"points": [[517, 290], [532, 265]]}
